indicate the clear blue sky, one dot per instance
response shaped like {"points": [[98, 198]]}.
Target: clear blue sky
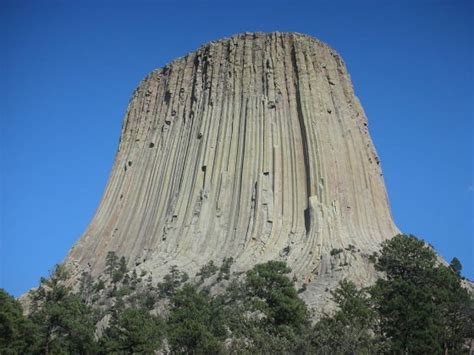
{"points": [[68, 69]]}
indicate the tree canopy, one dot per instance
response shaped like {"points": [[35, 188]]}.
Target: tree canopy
{"points": [[417, 306]]}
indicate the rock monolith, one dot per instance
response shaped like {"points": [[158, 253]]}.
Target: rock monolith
{"points": [[252, 147]]}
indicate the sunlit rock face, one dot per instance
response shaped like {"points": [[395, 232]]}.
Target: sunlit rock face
{"points": [[253, 147]]}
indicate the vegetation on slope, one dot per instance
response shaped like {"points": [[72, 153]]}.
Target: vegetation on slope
{"points": [[418, 307]]}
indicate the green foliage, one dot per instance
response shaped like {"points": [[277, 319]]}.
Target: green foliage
{"points": [[455, 309], [264, 313], [65, 323], [405, 256], [123, 291], [98, 286], [373, 257], [111, 263], [261, 313], [353, 304], [195, 322], [115, 267], [207, 270], [52, 289], [120, 270], [336, 251], [171, 282], [421, 305], [224, 271], [351, 248], [352, 329], [86, 286], [456, 266], [418, 306], [272, 293], [404, 299], [134, 280], [143, 299], [133, 331], [302, 288], [407, 316], [18, 334]]}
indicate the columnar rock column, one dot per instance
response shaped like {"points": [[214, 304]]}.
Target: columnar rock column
{"points": [[253, 147]]}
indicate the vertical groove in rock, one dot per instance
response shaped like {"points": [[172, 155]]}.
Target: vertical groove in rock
{"points": [[248, 146]]}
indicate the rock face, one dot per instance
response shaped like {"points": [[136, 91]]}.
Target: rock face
{"points": [[253, 147]]}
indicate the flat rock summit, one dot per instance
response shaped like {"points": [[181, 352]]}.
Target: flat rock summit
{"points": [[252, 147]]}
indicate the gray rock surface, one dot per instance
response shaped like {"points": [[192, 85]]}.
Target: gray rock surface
{"points": [[254, 147]]}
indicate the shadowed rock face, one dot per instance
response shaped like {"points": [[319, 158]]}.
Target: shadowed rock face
{"points": [[253, 147]]}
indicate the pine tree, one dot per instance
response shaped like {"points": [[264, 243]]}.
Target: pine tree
{"points": [[66, 324], [456, 266], [133, 330], [273, 293], [421, 304], [193, 325], [111, 261], [18, 335], [352, 329]]}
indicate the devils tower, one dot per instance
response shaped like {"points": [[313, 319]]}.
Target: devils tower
{"points": [[252, 147]]}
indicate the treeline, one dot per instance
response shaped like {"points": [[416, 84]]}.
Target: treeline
{"points": [[418, 307]]}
